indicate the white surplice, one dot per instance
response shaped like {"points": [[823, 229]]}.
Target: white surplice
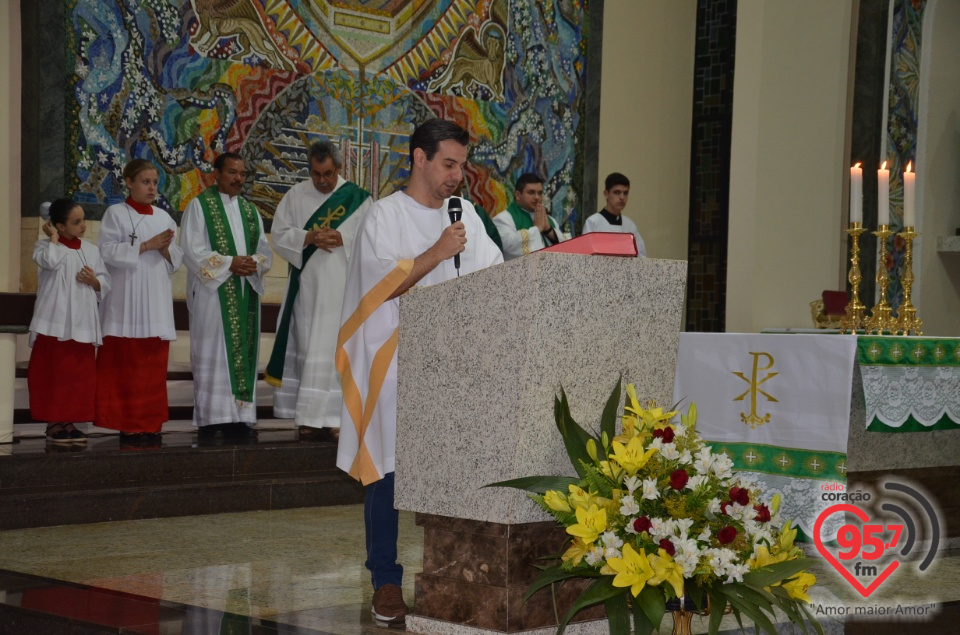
{"points": [[140, 302], [396, 230], [597, 223], [310, 392], [520, 242], [214, 401], [67, 309]]}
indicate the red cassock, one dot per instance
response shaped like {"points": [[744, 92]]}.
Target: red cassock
{"points": [[62, 380], [132, 384]]}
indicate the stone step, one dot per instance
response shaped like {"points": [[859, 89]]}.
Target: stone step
{"points": [[44, 486]]}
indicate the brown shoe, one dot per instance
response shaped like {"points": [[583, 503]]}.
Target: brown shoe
{"points": [[328, 435], [388, 607]]}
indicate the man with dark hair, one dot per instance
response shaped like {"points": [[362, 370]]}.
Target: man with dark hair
{"points": [[227, 255], [616, 189], [313, 230], [526, 226], [404, 240]]}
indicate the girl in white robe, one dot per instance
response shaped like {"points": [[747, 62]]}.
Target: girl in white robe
{"points": [[138, 243], [65, 329]]}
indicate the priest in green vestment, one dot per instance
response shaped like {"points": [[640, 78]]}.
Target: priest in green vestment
{"points": [[526, 226], [313, 230], [227, 255]]}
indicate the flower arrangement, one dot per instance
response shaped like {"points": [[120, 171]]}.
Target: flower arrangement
{"points": [[655, 515]]}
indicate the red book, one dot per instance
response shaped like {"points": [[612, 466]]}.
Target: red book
{"points": [[598, 244]]}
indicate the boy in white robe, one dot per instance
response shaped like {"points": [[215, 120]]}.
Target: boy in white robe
{"points": [[616, 190], [224, 339], [404, 240]]}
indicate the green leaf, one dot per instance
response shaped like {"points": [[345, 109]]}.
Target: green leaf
{"points": [[771, 574], [653, 604], [641, 623], [618, 615], [547, 577], [811, 619], [574, 437], [537, 484], [599, 591], [750, 610], [608, 420], [718, 604]]}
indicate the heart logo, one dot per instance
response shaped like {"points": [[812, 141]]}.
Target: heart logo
{"points": [[859, 513]]}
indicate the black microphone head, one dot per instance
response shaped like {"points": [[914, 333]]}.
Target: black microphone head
{"points": [[454, 208]]}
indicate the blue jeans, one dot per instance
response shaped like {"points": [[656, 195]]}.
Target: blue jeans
{"points": [[381, 523]]}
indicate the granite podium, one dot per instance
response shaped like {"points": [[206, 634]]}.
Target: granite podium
{"points": [[481, 359]]}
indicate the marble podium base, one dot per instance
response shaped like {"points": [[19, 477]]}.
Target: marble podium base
{"points": [[475, 575]]}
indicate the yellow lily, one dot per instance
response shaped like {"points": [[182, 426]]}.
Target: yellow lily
{"points": [[580, 497], [665, 569], [556, 501], [633, 570], [787, 535], [631, 457], [576, 552], [797, 587], [764, 558], [590, 524]]}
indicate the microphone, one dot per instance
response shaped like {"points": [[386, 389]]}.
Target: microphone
{"points": [[455, 209]]}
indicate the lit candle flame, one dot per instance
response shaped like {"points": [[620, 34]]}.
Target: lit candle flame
{"points": [[884, 166], [857, 165], [908, 166]]}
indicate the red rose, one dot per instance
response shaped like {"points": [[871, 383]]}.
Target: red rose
{"points": [[667, 546], [666, 434], [678, 478], [726, 535], [763, 514], [642, 524], [740, 495], [723, 507]]}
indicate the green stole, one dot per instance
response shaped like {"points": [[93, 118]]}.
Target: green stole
{"points": [[239, 311], [339, 207], [524, 219]]}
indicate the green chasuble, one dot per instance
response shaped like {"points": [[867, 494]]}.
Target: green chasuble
{"points": [[344, 201], [239, 310], [524, 219]]}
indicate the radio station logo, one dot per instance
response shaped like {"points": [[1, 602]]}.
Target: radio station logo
{"points": [[870, 552]]}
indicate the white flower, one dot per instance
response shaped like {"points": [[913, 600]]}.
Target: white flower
{"points": [[705, 535], [632, 483], [696, 481], [669, 451], [629, 506], [629, 527], [688, 560], [594, 556], [679, 430], [685, 457], [704, 461], [610, 539], [683, 526], [610, 552], [662, 528], [735, 572], [722, 466], [714, 506], [650, 491], [656, 444]]}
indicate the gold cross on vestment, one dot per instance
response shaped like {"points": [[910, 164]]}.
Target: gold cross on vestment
{"points": [[335, 214]]}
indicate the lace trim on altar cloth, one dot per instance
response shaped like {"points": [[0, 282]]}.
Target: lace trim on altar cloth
{"points": [[802, 501], [927, 394]]}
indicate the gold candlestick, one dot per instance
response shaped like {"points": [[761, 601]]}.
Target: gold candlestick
{"points": [[881, 320], [907, 321], [853, 319]]}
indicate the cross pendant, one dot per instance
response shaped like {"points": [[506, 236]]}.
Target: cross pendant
{"points": [[132, 238]]}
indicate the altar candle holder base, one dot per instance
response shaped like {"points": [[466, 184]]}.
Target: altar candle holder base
{"points": [[907, 321], [853, 320], [881, 320]]}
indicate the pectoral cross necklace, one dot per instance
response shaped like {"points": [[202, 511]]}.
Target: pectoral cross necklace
{"points": [[133, 234]]}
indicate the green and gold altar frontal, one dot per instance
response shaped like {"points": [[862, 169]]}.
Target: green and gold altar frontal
{"points": [[910, 384]]}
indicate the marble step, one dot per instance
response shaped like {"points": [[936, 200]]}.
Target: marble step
{"points": [[44, 486]]}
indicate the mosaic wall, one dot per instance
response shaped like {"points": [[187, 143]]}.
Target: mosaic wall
{"points": [[904, 91], [179, 81], [710, 165]]}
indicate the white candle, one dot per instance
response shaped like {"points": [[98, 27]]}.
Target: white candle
{"points": [[856, 194], [909, 198], [883, 195]]}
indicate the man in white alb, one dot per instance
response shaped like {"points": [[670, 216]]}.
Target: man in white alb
{"points": [[404, 240], [616, 189], [313, 230], [227, 254], [526, 226]]}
